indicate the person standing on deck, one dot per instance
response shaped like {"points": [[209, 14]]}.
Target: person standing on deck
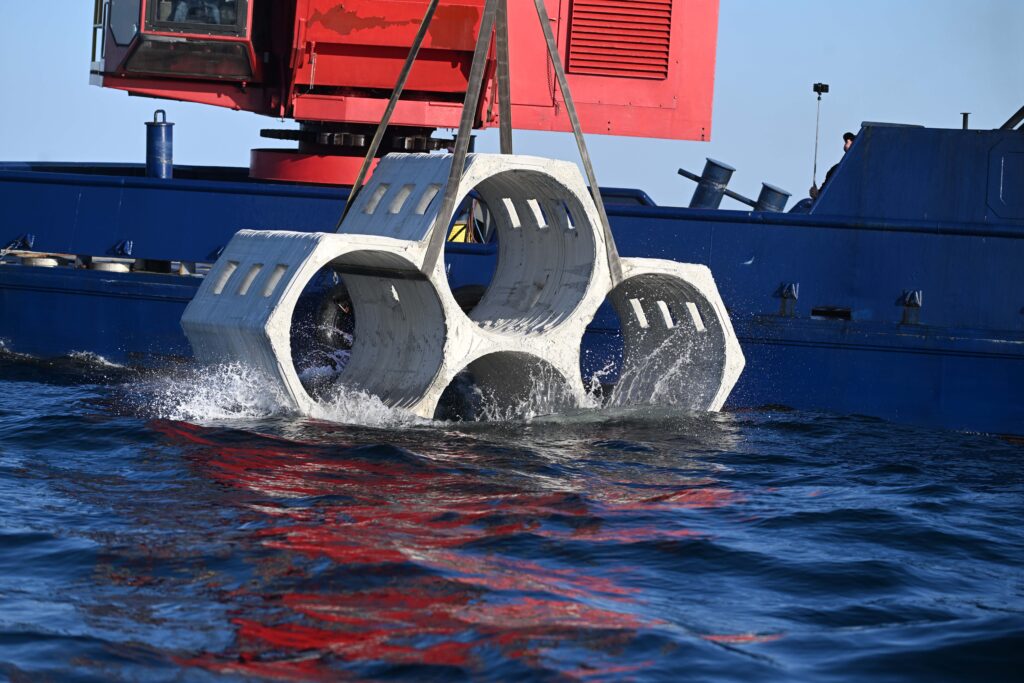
{"points": [[848, 139]]}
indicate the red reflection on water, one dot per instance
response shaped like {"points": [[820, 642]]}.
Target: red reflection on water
{"points": [[612, 673], [434, 539]]}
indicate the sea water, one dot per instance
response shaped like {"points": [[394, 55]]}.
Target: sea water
{"points": [[182, 525]]}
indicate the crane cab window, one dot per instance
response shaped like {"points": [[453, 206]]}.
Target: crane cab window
{"points": [[198, 16]]}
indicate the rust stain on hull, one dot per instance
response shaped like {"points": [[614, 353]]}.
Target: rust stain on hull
{"points": [[453, 26], [344, 22]]}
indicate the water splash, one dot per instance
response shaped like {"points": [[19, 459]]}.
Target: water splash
{"points": [[324, 367], [232, 391], [598, 380], [346, 405], [545, 393], [237, 392], [94, 359], [679, 371]]}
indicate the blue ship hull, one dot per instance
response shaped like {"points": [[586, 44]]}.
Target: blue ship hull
{"points": [[900, 295]]}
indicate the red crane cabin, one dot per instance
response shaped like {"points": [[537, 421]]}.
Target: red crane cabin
{"points": [[636, 67]]}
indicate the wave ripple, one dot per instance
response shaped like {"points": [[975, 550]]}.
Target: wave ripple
{"points": [[184, 538]]}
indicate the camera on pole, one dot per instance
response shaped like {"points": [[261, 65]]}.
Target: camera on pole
{"points": [[820, 89]]}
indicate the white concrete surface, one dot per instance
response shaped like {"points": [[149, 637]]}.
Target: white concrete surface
{"points": [[412, 338], [680, 347]]}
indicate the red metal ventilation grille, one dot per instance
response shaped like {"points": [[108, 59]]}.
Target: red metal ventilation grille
{"points": [[620, 38]]}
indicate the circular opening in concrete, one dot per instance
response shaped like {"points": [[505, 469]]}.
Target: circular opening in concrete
{"points": [[323, 330], [376, 325], [546, 252], [505, 386], [655, 341], [471, 252]]}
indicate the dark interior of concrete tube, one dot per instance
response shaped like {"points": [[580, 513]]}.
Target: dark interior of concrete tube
{"points": [[673, 346], [601, 355], [394, 327], [505, 385], [546, 253], [323, 330]]}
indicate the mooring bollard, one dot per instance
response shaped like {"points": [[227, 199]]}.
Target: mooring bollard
{"points": [[159, 146]]}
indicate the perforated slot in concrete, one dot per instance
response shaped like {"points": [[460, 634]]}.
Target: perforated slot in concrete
{"points": [[400, 198], [695, 316], [570, 223], [542, 273], [274, 279], [540, 220], [429, 193], [247, 281], [222, 274], [376, 195], [666, 314], [638, 313], [513, 215]]}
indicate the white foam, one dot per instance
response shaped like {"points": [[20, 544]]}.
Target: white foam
{"points": [[593, 384], [329, 367], [210, 394], [235, 392], [547, 396], [96, 359], [349, 406]]}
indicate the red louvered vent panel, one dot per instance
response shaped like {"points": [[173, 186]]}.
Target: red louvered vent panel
{"points": [[620, 38]]}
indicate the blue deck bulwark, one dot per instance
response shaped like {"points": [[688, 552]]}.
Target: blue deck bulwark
{"points": [[825, 303]]}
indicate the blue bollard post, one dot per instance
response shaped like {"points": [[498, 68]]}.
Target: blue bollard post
{"points": [[771, 198], [711, 186], [159, 146]]}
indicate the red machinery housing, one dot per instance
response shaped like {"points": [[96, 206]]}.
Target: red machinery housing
{"points": [[636, 67]]}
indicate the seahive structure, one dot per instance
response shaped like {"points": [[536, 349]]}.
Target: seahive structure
{"points": [[556, 266]]}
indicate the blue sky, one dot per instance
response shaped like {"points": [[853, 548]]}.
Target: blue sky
{"points": [[905, 61]]}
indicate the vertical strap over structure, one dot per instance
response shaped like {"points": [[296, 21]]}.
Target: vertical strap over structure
{"points": [[504, 82], [469, 107], [378, 135], [577, 131]]}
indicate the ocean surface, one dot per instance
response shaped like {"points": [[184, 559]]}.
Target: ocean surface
{"points": [[179, 526]]}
